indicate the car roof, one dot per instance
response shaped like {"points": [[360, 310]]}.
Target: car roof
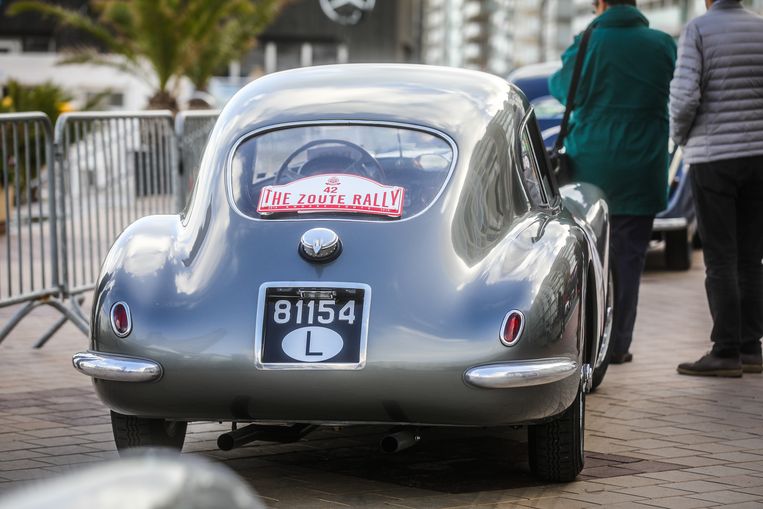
{"points": [[448, 99]]}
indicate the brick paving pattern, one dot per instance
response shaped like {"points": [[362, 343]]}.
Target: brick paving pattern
{"points": [[654, 439]]}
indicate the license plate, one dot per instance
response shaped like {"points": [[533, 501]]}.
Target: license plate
{"points": [[312, 326]]}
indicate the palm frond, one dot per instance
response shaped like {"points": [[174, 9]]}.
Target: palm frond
{"points": [[176, 38]]}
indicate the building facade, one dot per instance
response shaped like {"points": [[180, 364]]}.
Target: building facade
{"points": [[469, 33], [500, 35], [306, 32]]}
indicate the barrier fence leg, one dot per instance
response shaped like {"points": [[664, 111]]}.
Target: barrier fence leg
{"points": [[76, 303], [45, 337], [16, 318], [76, 306], [73, 313]]}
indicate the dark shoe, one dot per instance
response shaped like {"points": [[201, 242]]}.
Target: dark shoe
{"points": [[752, 362], [711, 365], [620, 358]]}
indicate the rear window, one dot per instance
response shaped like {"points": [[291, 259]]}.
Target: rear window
{"points": [[353, 171]]}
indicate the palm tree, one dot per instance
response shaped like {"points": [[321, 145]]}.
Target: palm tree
{"points": [[161, 41], [210, 50]]}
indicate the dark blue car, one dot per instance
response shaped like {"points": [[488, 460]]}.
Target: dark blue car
{"points": [[675, 226]]}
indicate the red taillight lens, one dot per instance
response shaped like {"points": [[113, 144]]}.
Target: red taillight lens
{"points": [[121, 322], [512, 328]]}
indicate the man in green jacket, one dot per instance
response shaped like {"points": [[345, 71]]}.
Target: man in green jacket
{"points": [[618, 139]]}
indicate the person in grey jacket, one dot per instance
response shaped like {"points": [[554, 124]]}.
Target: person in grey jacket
{"points": [[716, 112]]}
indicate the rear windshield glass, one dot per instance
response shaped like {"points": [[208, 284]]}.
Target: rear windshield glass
{"points": [[353, 171]]}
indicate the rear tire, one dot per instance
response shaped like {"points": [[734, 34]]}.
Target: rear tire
{"points": [[678, 250], [555, 448], [131, 431]]}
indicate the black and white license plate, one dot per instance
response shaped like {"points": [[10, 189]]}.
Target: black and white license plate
{"points": [[311, 326]]}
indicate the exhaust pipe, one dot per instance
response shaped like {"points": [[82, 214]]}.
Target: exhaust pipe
{"points": [[401, 440], [252, 432]]}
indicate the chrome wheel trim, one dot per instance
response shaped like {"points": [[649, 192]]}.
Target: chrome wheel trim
{"points": [[607, 333]]}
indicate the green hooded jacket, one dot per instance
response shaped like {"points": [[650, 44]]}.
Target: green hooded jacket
{"points": [[618, 133]]}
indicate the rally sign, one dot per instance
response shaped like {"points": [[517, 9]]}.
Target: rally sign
{"points": [[333, 193]]}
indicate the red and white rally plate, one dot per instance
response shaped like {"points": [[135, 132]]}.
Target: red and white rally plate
{"points": [[333, 192]]}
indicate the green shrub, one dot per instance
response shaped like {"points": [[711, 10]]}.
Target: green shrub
{"points": [[47, 98]]}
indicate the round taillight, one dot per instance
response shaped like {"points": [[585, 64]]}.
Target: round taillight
{"points": [[121, 322], [512, 327]]}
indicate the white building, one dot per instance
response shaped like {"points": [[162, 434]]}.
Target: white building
{"points": [[82, 81], [468, 33], [500, 35]]}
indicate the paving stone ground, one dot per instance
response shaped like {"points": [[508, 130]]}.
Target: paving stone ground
{"points": [[653, 438]]}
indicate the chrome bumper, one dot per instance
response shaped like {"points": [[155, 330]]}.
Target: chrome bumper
{"points": [[521, 373], [118, 368]]}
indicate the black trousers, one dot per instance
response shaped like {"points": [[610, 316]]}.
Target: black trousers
{"points": [[729, 202], [629, 240]]}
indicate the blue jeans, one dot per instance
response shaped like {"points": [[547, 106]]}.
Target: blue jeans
{"points": [[629, 240]]}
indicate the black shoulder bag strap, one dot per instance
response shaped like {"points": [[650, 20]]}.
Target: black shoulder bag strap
{"points": [[573, 89]]}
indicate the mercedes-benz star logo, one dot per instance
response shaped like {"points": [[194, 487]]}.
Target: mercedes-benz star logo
{"points": [[346, 12]]}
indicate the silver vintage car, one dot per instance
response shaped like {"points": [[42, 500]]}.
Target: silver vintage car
{"points": [[366, 244]]}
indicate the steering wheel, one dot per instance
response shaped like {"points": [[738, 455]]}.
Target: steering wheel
{"points": [[365, 164]]}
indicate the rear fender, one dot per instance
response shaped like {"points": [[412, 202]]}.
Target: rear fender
{"points": [[589, 208], [140, 270]]}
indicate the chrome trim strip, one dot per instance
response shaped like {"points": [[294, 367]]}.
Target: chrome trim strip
{"points": [[129, 319], [260, 325], [381, 123], [586, 378], [547, 200], [662, 224], [521, 373], [503, 327], [117, 368], [607, 333]]}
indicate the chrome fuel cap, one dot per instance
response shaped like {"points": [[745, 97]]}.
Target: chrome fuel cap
{"points": [[320, 244]]}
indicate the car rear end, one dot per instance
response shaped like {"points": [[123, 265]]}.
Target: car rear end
{"points": [[330, 291]]}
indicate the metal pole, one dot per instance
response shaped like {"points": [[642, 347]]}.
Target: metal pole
{"points": [[60, 211], [52, 157], [28, 176], [177, 187], [7, 192], [16, 179], [39, 165]]}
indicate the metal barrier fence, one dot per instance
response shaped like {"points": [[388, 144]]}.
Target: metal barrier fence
{"points": [[192, 129], [69, 193], [29, 252], [114, 169]]}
